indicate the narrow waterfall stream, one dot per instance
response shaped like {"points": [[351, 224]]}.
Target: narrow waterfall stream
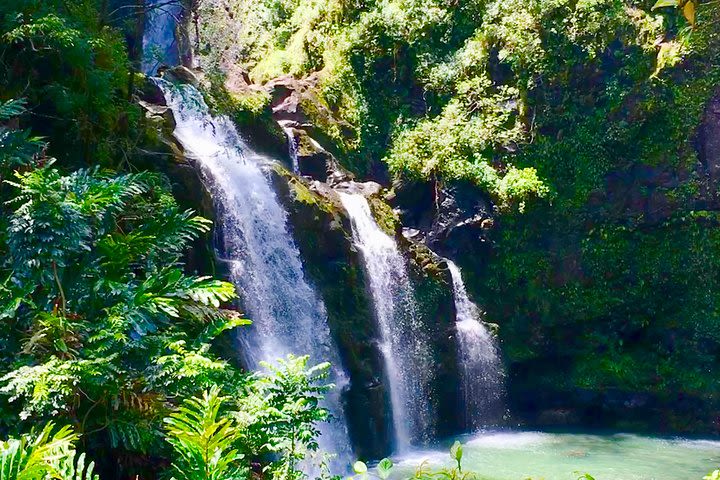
{"points": [[292, 149], [406, 352], [480, 366], [254, 238]]}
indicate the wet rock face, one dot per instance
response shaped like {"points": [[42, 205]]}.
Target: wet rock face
{"points": [[297, 103], [463, 220], [288, 95], [434, 295], [148, 91], [182, 74], [455, 221], [447, 218], [324, 236], [313, 160]]}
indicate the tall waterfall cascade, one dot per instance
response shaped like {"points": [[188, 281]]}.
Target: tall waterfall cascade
{"points": [[406, 351], [480, 366], [255, 242]]}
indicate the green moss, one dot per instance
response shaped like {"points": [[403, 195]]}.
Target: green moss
{"points": [[384, 215], [253, 102], [246, 107], [426, 262], [301, 193]]}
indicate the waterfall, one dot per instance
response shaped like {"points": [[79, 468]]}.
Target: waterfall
{"points": [[406, 351], [253, 236], [255, 242], [292, 149], [480, 366]]}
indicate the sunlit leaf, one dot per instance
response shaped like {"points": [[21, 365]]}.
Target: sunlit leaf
{"points": [[384, 468], [456, 451], [666, 3], [689, 11]]}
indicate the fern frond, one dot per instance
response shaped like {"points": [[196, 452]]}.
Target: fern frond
{"points": [[69, 468], [12, 108], [47, 454], [203, 440]]}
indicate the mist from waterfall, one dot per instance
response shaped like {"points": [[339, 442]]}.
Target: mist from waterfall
{"points": [[482, 377], [405, 349]]}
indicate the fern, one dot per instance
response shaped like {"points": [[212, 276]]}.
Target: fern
{"points": [[133, 434], [76, 469], [17, 147], [12, 108], [281, 411], [49, 454], [204, 440], [103, 326]]}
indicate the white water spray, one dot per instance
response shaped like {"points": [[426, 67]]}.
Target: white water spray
{"points": [[480, 366]]}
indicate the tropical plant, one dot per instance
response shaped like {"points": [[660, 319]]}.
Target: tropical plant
{"points": [[94, 282], [204, 439], [49, 454], [276, 413], [104, 327], [424, 471], [17, 147], [73, 69], [585, 476], [281, 412], [687, 7]]}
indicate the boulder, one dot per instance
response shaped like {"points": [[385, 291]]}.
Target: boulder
{"points": [[298, 103], [313, 160], [149, 92], [366, 189], [182, 74]]}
